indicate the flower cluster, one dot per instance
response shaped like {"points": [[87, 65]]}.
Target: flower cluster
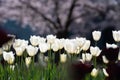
{"points": [[88, 62]]}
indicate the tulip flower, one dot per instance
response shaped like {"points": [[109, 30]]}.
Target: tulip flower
{"points": [[105, 72], [86, 45], [96, 35], [31, 50], [86, 57], [70, 46], [27, 61], [116, 35], [34, 40], [105, 60], [19, 43], [44, 47], [51, 39], [111, 45], [19, 51], [94, 72], [63, 58], [55, 46], [9, 57], [5, 47], [95, 51], [80, 41]]}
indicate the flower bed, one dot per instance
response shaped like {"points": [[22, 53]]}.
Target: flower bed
{"points": [[76, 59]]}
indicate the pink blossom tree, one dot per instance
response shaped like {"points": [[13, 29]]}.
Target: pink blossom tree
{"points": [[59, 15]]}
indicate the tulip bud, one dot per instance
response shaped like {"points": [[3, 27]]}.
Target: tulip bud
{"points": [[46, 59], [96, 35], [111, 46], [51, 39], [19, 51], [5, 47], [80, 41], [28, 61], [105, 72], [55, 46], [31, 50], [43, 47], [9, 57], [34, 40], [94, 72], [95, 51], [86, 57], [63, 58], [116, 35], [105, 60], [86, 45], [70, 46]]}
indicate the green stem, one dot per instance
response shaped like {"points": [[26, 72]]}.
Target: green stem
{"points": [[95, 63], [95, 43]]}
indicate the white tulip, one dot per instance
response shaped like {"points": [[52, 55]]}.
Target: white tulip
{"points": [[42, 40], [46, 59], [58, 44], [51, 39], [20, 43], [105, 72], [70, 46], [80, 41], [83, 57], [105, 60], [55, 46], [9, 57], [116, 35], [86, 57], [96, 35], [86, 45], [5, 47], [61, 43], [34, 40], [94, 72], [31, 50], [111, 46], [63, 58], [43, 47], [27, 61], [95, 51], [19, 51]]}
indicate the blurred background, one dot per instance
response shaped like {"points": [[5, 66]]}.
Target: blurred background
{"points": [[63, 18]]}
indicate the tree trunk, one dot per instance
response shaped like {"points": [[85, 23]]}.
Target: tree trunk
{"points": [[62, 34]]}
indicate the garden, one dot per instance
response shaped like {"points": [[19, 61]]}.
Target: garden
{"points": [[51, 58]]}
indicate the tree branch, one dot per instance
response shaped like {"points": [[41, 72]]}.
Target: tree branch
{"points": [[56, 13], [68, 21], [79, 16], [41, 14]]}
